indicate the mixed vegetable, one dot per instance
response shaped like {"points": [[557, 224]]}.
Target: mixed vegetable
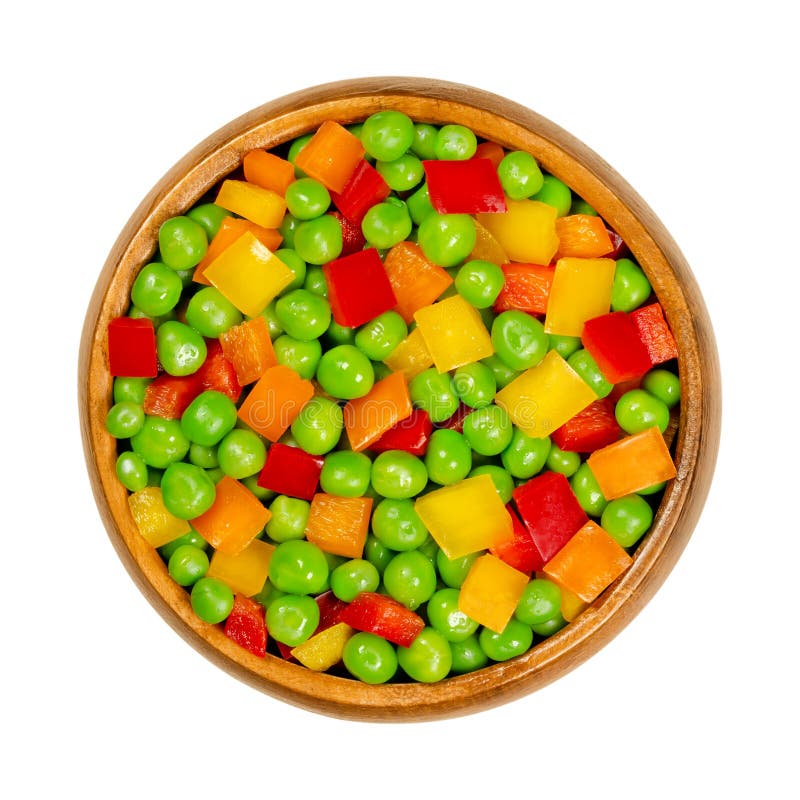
{"points": [[392, 399]]}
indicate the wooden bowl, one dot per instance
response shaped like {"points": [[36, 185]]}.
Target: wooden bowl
{"points": [[514, 127]]}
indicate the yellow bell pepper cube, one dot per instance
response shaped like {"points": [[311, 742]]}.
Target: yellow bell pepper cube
{"points": [[411, 356], [262, 206], [546, 396], [156, 524], [454, 333], [465, 517], [245, 572], [491, 591], [581, 290], [487, 248], [248, 274], [324, 649], [526, 231]]}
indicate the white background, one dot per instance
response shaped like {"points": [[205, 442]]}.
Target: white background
{"points": [[693, 103]]}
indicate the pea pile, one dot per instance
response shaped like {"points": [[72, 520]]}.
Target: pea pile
{"points": [[412, 269]]}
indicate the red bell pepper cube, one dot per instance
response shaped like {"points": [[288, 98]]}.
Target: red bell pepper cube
{"points": [[614, 343], [550, 511], [132, 348], [352, 238], [410, 434], [455, 422], [618, 243], [526, 288], [217, 373], [383, 616], [589, 430], [246, 625], [655, 333], [168, 396], [364, 188], [291, 471], [330, 609], [358, 288], [285, 650], [464, 187], [520, 552]]}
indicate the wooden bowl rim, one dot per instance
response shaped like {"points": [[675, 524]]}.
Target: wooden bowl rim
{"points": [[592, 178]]}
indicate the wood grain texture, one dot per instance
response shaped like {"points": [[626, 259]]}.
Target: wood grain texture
{"points": [[515, 127]]}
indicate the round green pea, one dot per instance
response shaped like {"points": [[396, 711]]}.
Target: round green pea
{"points": [[398, 474], [584, 364], [627, 519], [428, 658], [345, 372], [160, 442], [124, 419], [503, 482], [448, 458], [377, 553], [301, 356], [525, 455], [520, 175], [488, 430], [241, 453], [565, 346], [353, 577], [303, 314], [288, 228], [181, 349], [307, 198], [433, 392], [339, 334], [191, 537], [289, 518], [587, 491], [211, 314], [563, 461], [386, 224], [208, 418], [397, 526], [551, 626], [209, 217], [664, 385], [295, 264], [294, 150], [654, 489], [380, 336], [454, 571], [345, 474], [580, 206], [539, 602], [182, 243], [424, 141], [638, 410], [131, 471], [131, 389], [319, 240], [318, 426], [187, 565], [298, 567], [403, 173], [447, 239], [156, 290], [187, 490], [519, 339], [291, 618], [479, 282], [212, 600], [446, 617], [315, 281], [467, 656], [515, 639], [370, 658], [273, 325], [202, 456], [555, 193], [475, 384], [503, 374], [455, 143], [419, 204], [386, 135], [631, 287], [267, 594]]}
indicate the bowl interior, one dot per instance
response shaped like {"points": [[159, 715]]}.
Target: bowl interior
{"points": [[514, 127]]}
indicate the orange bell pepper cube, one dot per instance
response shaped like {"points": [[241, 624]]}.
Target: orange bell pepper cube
{"points": [[588, 563], [367, 418], [262, 206], [655, 334], [156, 524], [632, 463], [229, 231], [268, 171], [416, 282], [491, 150], [491, 591], [526, 288], [234, 520], [411, 356], [582, 236], [249, 348], [339, 525], [275, 401], [331, 155], [246, 572]]}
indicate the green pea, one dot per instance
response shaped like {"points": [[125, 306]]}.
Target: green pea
{"points": [[192, 537], [428, 658], [315, 281], [584, 364], [455, 143], [208, 418], [454, 571], [377, 553], [241, 453], [345, 372], [273, 325], [587, 491], [131, 389], [398, 474], [580, 206], [386, 224], [298, 567], [467, 656], [291, 619], [289, 518], [419, 205], [386, 135], [515, 639], [288, 228], [433, 392], [397, 526], [429, 549], [475, 384], [565, 346], [631, 287], [202, 456], [446, 617], [503, 482], [160, 442], [186, 490], [268, 593], [215, 475], [187, 565], [403, 173], [182, 243], [479, 282], [318, 426], [319, 240], [639, 410], [488, 430], [448, 458], [339, 334], [154, 476], [296, 264], [212, 600], [627, 519], [447, 239], [380, 336], [550, 627], [654, 489], [555, 193], [353, 577], [303, 315], [540, 601], [301, 356], [563, 461], [210, 313], [424, 141], [307, 198], [264, 495], [503, 374], [181, 349], [519, 339], [663, 385], [124, 419], [369, 658], [520, 175], [156, 290], [345, 474], [525, 455], [131, 471], [209, 217]]}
